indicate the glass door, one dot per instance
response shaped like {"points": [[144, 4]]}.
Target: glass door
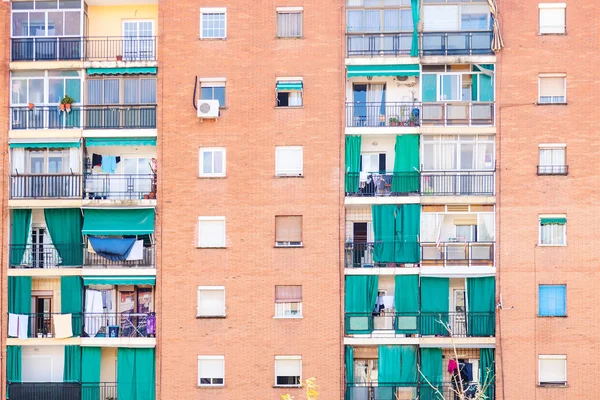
{"points": [[138, 41]]}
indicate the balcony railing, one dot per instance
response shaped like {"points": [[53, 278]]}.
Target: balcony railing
{"points": [[120, 117], [458, 113], [50, 186], [41, 325], [552, 169], [119, 186], [89, 48], [457, 183], [393, 184], [94, 260], [378, 114], [45, 117], [378, 44], [414, 391], [472, 254], [44, 255], [46, 391], [116, 325], [361, 254]]}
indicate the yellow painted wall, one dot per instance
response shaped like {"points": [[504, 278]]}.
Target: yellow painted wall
{"points": [[47, 284], [108, 20], [108, 364]]}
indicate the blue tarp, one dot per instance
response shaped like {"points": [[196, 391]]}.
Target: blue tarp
{"points": [[112, 249]]}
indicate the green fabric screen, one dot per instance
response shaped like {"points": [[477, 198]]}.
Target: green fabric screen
{"points": [[90, 372], [135, 374], [119, 280], [21, 227], [13, 365], [126, 374], [72, 364], [475, 87], [126, 221], [435, 305], [384, 228], [396, 230], [406, 176], [416, 15], [353, 144], [481, 306], [487, 371], [19, 294], [483, 86], [408, 234], [406, 303], [549, 221], [349, 361], [431, 368], [360, 298], [44, 145], [383, 70], [122, 71], [64, 226], [141, 141], [409, 372], [71, 300], [429, 82], [389, 364]]}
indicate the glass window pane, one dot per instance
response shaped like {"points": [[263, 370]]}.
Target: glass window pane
{"points": [[72, 23], [391, 20], [94, 91], [406, 20], [36, 91], [111, 91], [56, 90], [207, 162], [73, 89], [355, 21], [19, 91], [37, 24], [372, 21], [206, 93], [450, 87], [218, 162], [148, 91], [132, 91], [467, 157], [219, 94], [69, 4], [22, 5], [55, 23], [19, 23], [46, 5]]}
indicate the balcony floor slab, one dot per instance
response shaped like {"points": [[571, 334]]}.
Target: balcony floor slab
{"points": [[44, 203], [458, 272], [382, 271], [44, 134], [119, 342], [42, 65], [120, 133]]}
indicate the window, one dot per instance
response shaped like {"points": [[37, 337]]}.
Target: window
{"points": [[456, 17], [289, 92], [47, 18], [213, 23], [552, 18], [139, 43], [44, 87], [458, 152], [108, 91], [288, 231], [288, 301], [212, 162], [213, 89], [552, 369], [552, 89], [553, 230], [211, 231], [288, 370], [288, 161], [552, 301], [397, 17], [552, 160], [289, 22], [211, 301], [211, 370], [52, 161]]}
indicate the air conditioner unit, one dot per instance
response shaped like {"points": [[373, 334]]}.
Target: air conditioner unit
{"points": [[208, 109]]}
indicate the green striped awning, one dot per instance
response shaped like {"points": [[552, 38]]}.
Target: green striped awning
{"points": [[289, 86], [122, 71], [118, 221], [119, 280], [383, 70], [556, 221], [120, 141], [44, 145]]}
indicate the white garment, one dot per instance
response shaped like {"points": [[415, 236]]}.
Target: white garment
{"points": [[93, 312], [137, 251], [62, 326], [13, 325], [388, 302], [23, 326]]}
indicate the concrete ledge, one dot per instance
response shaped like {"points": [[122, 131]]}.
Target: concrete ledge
{"points": [[45, 203], [119, 342], [41, 65]]}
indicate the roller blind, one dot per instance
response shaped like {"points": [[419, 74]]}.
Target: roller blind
{"points": [[552, 86], [288, 367], [211, 233], [552, 20], [288, 229], [210, 368], [553, 369], [211, 301], [289, 24], [288, 161], [288, 294]]}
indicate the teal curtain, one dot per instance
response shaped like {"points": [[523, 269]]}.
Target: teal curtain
{"points": [[19, 294], [21, 226], [126, 374], [481, 307], [389, 364], [474, 87], [408, 228], [71, 300], [384, 217], [431, 368], [13, 363], [487, 371], [90, 372], [414, 49], [349, 361], [435, 305], [486, 83], [406, 303], [145, 374], [72, 364], [408, 371], [64, 226], [352, 163], [360, 298], [406, 176], [429, 82], [396, 230]]}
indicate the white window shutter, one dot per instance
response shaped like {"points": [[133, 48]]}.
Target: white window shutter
{"points": [[211, 233]]}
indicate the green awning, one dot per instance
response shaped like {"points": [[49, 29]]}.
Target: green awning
{"points": [[119, 280], [122, 71], [383, 70], [289, 86], [44, 145], [125, 221], [557, 221], [120, 141]]}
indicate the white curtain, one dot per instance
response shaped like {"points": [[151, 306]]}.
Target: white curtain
{"points": [[431, 227], [74, 162], [18, 160], [295, 99], [485, 156], [486, 227], [289, 24], [552, 234], [446, 159]]}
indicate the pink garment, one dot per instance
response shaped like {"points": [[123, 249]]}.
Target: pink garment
{"points": [[452, 366]]}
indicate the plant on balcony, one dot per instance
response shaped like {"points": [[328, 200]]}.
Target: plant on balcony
{"points": [[30, 106], [394, 121], [65, 103], [412, 121]]}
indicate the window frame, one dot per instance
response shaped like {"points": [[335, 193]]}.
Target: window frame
{"points": [[46, 77], [213, 10], [287, 358], [211, 219], [121, 82], [289, 80], [213, 289], [553, 357], [280, 243], [552, 6], [213, 83], [381, 9], [45, 11], [200, 358], [540, 226], [553, 169], [559, 75], [289, 174], [438, 141], [563, 287], [277, 315], [289, 10], [213, 174]]}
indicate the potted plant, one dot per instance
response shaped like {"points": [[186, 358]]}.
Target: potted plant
{"points": [[30, 105], [119, 58], [394, 121], [412, 120], [65, 103], [40, 334]]}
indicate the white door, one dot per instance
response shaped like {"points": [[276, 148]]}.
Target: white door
{"points": [[138, 175], [138, 40]]}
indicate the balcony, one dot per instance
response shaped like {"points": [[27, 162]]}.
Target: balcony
{"points": [[46, 49], [94, 260], [411, 391], [119, 186], [362, 254], [120, 117], [50, 186], [394, 184], [452, 254], [41, 325], [119, 325], [45, 255], [457, 183], [552, 169], [45, 117], [458, 114], [61, 391]]}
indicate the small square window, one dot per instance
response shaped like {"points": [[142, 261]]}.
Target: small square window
{"points": [[552, 160], [289, 22], [288, 301], [553, 230], [289, 93], [212, 162], [288, 161], [213, 23], [211, 301], [552, 89], [288, 231], [288, 370], [552, 301], [211, 371], [211, 231], [213, 90], [552, 370], [552, 18]]}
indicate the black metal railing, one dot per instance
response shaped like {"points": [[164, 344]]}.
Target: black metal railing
{"points": [[362, 254], [94, 260], [382, 184], [45, 186], [458, 113], [116, 325], [44, 255], [380, 114], [552, 169], [46, 391], [378, 44], [470, 254], [45, 117], [385, 391], [100, 390], [46, 49], [119, 186], [40, 325], [380, 322], [120, 117], [457, 183]]}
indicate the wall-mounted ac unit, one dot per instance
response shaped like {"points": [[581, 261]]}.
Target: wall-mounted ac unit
{"points": [[208, 109]]}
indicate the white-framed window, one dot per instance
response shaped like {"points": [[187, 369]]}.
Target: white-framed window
{"points": [[288, 161], [366, 16], [455, 17], [44, 87], [288, 230], [458, 152], [107, 91], [289, 92], [288, 301], [213, 23], [552, 159], [553, 230], [211, 371], [211, 301], [140, 42], [552, 18], [288, 370], [552, 89], [450, 87], [552, 369], [289, 22], [212, 162], [213, 89], [211, 232], [46, 18]]}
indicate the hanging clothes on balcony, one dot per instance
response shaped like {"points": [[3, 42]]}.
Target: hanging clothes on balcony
{"points": [[137, 251], [71, 288], [13, 325], [109, 164], [63, 328], [113, 249]]}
